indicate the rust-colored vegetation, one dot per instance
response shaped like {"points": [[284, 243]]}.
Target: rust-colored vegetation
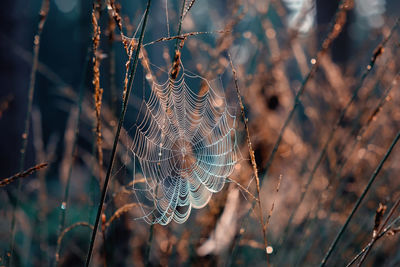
{"points": [[300, 106]]}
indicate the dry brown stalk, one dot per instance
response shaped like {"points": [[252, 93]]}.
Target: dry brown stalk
{"points": [[44, 11], [183, 36], [23, 174], [98, 92], [243, 188], [380, 211], [65, 231], [119, 212], [127, 64], [176, 65], [380, 230], [252, 157], [115, 8]]}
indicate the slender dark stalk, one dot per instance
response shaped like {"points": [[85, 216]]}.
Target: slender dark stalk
{"points": [[380, 235], [375, 236], [310, 224], [64, 204], [377, 52], [65, 231], [176, 63], [116, 139], [44, 10], [335, 29], [180, 23], [252, 159], [6, 181], [359, 200]]}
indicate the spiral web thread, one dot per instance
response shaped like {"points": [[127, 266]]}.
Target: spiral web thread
{"points": [[185, 144]]}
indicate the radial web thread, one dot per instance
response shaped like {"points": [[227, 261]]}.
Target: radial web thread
{"points": [[185, 143]]}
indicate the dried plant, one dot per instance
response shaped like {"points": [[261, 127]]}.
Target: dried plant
{"points": [[312, 97], [28, 172]]}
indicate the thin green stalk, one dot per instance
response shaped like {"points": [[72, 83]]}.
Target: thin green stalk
{"points": [[359, 200], [377, 52], [116, 139], [44, 10]]}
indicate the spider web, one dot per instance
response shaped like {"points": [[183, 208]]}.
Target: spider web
{"points": [[184, 141]]}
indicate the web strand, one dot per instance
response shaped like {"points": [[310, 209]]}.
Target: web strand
{"points": [[185, 143]]}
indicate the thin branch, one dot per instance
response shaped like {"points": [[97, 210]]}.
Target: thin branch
{"points": [[182, 36], [387, 230], [375, 111], [243, 188], [120, 212], [335, 29], [377, 52], [115, 145], [7, 181], [64, 232], [98, 92], [180, 23], [359, 200], [375, 236], [64, 203], [252, 158], [44, 11]]}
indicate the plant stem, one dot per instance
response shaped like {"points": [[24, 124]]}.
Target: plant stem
{"points": [[115, 145], [377, 52], [180, 23], [6, 181], [252, 159], [335, 29], [359, 200], [44, 10], [64, 204]]}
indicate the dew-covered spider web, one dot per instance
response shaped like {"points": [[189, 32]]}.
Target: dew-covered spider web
{"points": [[184, 143]]}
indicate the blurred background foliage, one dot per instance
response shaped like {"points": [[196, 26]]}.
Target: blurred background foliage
{"points": [[274, 45]]}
